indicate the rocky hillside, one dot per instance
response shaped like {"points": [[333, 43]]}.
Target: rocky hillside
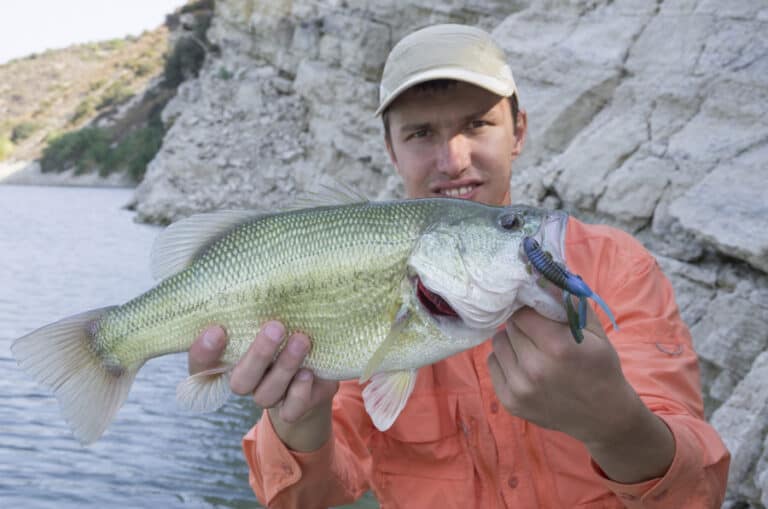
{"points": [[80, 114], [57, 91], [647, 115]]}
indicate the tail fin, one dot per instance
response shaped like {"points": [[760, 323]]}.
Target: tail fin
{"points": [[60, 356]]}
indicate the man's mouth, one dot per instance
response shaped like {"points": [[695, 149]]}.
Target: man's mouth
{"points": [[459, 192]]}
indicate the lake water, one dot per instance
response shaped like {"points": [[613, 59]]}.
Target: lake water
{"points": [[63, 251]]}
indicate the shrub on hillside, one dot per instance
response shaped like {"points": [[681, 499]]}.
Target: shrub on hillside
{"points": [[224, 74], [6, 147], [197, 6], [188, 54], [184, 62], [140, 67], [84, 109], [96, 84], [112, 44], [134, 153], [84, 149], [117, 93], [23, 131], [92, 148]]}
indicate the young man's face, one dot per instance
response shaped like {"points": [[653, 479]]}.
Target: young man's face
{"points": [[456, 141]]}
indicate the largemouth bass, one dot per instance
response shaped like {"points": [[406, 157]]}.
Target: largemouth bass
{"points": [[382, 288]]}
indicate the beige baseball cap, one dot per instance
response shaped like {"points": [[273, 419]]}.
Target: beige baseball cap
{"points": [[449, 51]]}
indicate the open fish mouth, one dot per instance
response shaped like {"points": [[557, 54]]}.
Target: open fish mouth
{"points": [[432, 302]]}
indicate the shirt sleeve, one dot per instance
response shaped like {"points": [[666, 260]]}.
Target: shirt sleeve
{"points": [[659, 361], [335, 474]]}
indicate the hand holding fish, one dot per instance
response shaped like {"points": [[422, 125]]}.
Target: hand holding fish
{"points": [[299, 404], [578, 389]]}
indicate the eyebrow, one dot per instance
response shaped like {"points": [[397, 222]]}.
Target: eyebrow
{"points": [[480, 113], [415, 127], [465, 118]]}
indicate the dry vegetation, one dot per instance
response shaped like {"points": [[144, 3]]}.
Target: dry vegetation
{"points": [[96, 107], [47, 95]]}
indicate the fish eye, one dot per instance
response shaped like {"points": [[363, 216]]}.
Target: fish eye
{"points": [[511, 222]]}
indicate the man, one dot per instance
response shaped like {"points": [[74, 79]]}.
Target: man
{"points": [[528, 419]]}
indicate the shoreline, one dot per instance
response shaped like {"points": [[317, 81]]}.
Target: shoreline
{"points": [[28, 173]]}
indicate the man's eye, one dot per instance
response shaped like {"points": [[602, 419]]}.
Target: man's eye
{"points": [[421, 133], [477, 124]]}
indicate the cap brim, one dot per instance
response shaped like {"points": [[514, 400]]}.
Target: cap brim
{"points": [[502, 88]]}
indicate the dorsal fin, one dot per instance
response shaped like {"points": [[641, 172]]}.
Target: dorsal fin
{"points": [[329, 193], [176, 246]]}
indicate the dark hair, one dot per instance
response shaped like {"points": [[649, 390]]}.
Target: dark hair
{"points": [[440, 85]]}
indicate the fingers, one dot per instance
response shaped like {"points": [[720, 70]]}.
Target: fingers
{"points": [[549, 334], [538, 329], [254, 364], [270, 379], [304, 394], [498, 377], [508, 383], [506, 362], [554, 339], [207, 349], [271, 389], [502, 348], [298, 398]]}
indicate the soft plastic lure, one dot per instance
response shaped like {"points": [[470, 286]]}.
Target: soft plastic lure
{"points": [[570, 283]]}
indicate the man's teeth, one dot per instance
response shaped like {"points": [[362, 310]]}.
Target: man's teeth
{"points": [[458, 191]]}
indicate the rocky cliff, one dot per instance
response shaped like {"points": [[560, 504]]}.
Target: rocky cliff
{"points": [[647, 115]]}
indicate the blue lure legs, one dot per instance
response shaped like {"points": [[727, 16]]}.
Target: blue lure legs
{"points": [[571, 284]]}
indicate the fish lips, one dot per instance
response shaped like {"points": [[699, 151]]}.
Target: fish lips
{"points": [[549, 232], [435, 304]]}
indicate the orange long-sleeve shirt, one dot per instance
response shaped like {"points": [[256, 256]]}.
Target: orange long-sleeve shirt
{"points": [[455, 446]]}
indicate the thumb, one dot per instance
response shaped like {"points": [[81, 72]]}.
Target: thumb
{"points": [[207, 349]]}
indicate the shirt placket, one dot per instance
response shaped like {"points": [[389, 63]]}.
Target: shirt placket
{"points": [[481, 450], [502, 434]]}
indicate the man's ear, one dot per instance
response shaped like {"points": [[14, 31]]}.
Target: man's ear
{"points": [[521, 131]]}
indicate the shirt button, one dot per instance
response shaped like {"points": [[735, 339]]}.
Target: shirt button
{"points": [[287, 468], [494, 407], [512, 482]]}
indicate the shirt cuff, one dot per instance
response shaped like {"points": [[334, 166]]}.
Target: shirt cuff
{"points": [[670, 490], [281, 467]]}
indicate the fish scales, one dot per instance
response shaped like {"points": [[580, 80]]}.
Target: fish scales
{"points": [[381, 288], [314, 271]]}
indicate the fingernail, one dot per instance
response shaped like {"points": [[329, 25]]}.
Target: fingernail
{"points": [[274, 332], [212, 338], [297, 347], [304, 375]]}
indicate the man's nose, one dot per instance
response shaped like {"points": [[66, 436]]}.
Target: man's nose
{"points": [[454, 156]]}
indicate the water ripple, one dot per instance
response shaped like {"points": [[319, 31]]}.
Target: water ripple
{"points": [[62, 251]]}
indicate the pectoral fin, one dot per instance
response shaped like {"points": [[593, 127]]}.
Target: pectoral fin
{"points": [[386, 395], [205, 391], [401, 318]]}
